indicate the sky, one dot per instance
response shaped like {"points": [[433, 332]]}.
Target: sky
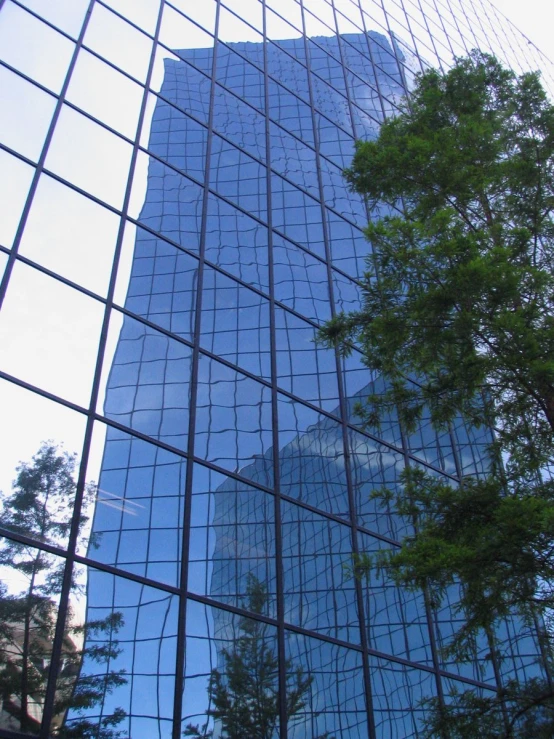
{"points": [[534, 18]]}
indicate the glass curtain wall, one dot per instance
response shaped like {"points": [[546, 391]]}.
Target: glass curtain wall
{"points": [[184, 480]]}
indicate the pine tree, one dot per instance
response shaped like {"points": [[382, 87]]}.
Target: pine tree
{"points": [[244, 694], [40, 508]]}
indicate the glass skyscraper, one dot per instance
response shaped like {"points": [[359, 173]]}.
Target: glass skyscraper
{"points": [[176, 543]]}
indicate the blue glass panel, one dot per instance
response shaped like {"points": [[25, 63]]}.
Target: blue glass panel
{"points": [[237, 243], [297, 215], [235, 323], [300, 280], [233, 422], [232, 540], [319, 591], [238, 177], [311, 458]]}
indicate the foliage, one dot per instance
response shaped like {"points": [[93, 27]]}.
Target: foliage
{"points": [[40, 508], [519, 711], [244, 696], [458, 318]]}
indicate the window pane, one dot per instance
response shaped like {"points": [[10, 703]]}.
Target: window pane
{"points": [[34, 48], [15, 180], [91, 157], [71, 235], [105, 93], [26, 114], [232, 540], [50, 334]]}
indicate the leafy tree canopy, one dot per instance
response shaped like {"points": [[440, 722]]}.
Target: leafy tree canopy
{"points": [[458, 319]]}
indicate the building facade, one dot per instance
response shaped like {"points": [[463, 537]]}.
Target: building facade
{"points": [[176, 227]]}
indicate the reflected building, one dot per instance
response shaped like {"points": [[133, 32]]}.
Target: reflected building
{"points": [[235, 481]]}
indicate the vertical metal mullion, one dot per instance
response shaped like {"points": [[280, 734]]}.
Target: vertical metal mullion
{"points": [[342, 404], [181, 625], [279, 574], [75, 524]]}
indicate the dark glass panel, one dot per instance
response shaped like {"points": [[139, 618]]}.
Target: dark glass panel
{"points": [[300, 280], [297, 215], [235, 323], [147, 383], [237, 243], [177, 139], [162, 284], [172, 205], [238, 177], [139, 502], [398, 692], [333, 699], [319, 589], [311, 458], [396, 618], [232, 540], [231, 662], [119, 659], [376, 468], [233, 422], [304, 368]]}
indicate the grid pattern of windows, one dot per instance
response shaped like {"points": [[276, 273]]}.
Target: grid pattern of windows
{"points": [[184, 478]]}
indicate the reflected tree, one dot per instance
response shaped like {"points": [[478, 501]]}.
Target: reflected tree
{"points": [[244, 694], [40, 508]]}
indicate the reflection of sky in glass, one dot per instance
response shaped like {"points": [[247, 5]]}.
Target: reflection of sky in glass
{"points": [[172, 348]]}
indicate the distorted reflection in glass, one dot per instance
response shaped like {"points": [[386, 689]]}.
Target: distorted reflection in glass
{"points": [[319, 590], [297, 215], [300, 280], [398, 693], [161, 282], [303, 367], [396, 618], [235, 323], [139, 500], [233, 422], [333, 703], [29, 597], [311, 458], [231, 685], [237, 243], [149, 378], [122, 642], [232, 540], [376, 471]]}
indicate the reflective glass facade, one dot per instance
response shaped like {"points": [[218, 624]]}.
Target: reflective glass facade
{"points": [[194, 482]]}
